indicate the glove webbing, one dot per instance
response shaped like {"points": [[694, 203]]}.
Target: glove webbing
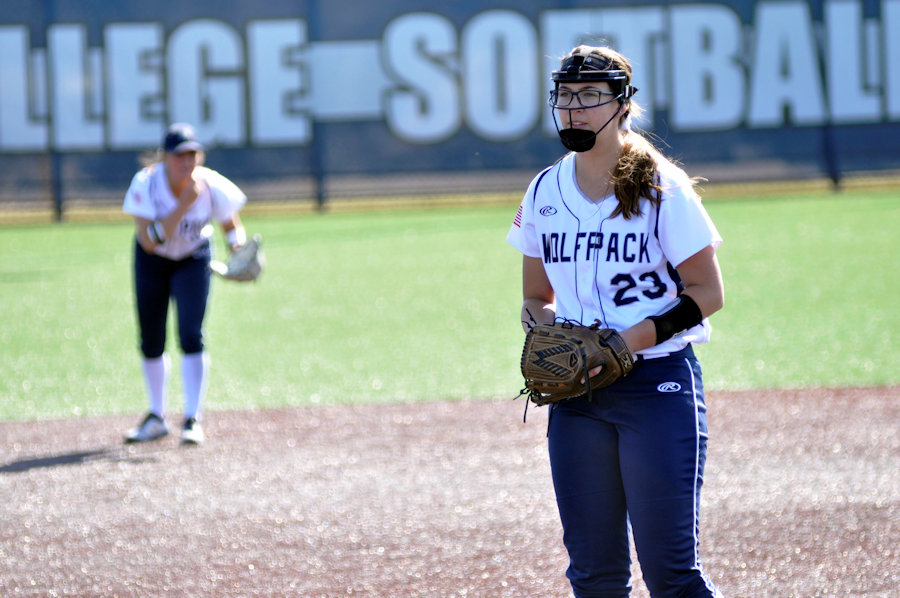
{"points": [[549, 365], [531, 393]]}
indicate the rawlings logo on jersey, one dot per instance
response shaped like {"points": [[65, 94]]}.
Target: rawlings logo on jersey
{"points": [[566, 247], [548, 211]]}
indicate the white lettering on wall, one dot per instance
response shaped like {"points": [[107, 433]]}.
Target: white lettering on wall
{"points": [[277, 86], [205, 68], [500, 75], [849, 96], [785, 84], [135, 79], [420, 54], [710, 94], [427, 78], [347, 81], [19, 130], [77, 124]]}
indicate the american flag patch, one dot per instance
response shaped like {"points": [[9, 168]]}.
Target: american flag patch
{"points": [[518, 219]]}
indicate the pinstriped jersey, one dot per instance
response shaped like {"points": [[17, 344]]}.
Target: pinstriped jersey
{"points": [[608, 268], [149, 197]]}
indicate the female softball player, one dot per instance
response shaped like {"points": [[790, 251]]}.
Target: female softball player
{"points": [[173, 202], [615, 232]]}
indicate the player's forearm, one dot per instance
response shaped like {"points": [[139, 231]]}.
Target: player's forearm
{"points": [[235, 234], [709, 298], [170, 222], [141, 226], [152, 233], [190, 191], [536, 311], [640, 336], [702, 280]]}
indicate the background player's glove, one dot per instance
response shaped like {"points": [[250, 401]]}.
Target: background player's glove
{"points": [[557, 357], [246, 263]]}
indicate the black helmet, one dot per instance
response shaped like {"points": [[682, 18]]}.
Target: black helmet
{"points": [[586, 67]]}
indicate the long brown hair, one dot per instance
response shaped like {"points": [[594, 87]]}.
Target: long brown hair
{"points": [[635, 174]]}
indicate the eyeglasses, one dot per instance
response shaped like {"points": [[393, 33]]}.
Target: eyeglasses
{"points": [[587, 98]]}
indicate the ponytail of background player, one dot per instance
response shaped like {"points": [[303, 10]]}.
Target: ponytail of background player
{"points": [[615, 232]]}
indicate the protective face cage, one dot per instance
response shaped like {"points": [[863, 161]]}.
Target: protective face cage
{"points": [[586, 68]]}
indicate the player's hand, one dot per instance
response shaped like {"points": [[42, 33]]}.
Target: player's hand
{"points": [[190, 192], [593, 372]]}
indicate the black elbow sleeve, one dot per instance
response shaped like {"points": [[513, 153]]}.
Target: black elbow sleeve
{"points": [[680, 315]]}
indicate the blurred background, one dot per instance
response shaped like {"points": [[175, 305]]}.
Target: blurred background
{"points": [[316, 102]]}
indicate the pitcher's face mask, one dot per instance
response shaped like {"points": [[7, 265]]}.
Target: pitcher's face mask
{"points": [[586, 68]]}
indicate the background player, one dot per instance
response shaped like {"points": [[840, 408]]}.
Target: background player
{"points": [[614, 231], [173, 202]]}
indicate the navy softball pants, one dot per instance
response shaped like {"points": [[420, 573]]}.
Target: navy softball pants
{"points": [[633, 455], [157, 280]]}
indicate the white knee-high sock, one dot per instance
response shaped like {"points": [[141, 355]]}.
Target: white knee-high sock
{"points": [[156, 377], [194, 377]]}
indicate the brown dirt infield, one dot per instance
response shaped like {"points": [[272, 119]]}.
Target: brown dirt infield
{"points": [[802, 499]]}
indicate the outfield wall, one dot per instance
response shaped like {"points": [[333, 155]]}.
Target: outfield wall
{"points": [[308, 98]]}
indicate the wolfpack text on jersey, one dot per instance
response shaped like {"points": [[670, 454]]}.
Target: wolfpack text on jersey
{"points": [[608, 268]]}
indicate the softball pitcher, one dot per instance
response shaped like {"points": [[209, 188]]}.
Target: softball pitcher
{"points": [[173, 202], [615, 232]]}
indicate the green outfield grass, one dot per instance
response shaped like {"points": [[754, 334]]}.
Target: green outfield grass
{"points": [[423, 304]]}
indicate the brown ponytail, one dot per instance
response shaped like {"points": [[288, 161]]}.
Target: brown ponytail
{"points": [[635, 176]]}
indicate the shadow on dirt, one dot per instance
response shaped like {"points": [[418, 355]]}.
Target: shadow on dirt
{"points": [[109, 454]]}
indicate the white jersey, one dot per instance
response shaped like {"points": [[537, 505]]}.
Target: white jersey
{"points": [[609, 269], [149, 197]]}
